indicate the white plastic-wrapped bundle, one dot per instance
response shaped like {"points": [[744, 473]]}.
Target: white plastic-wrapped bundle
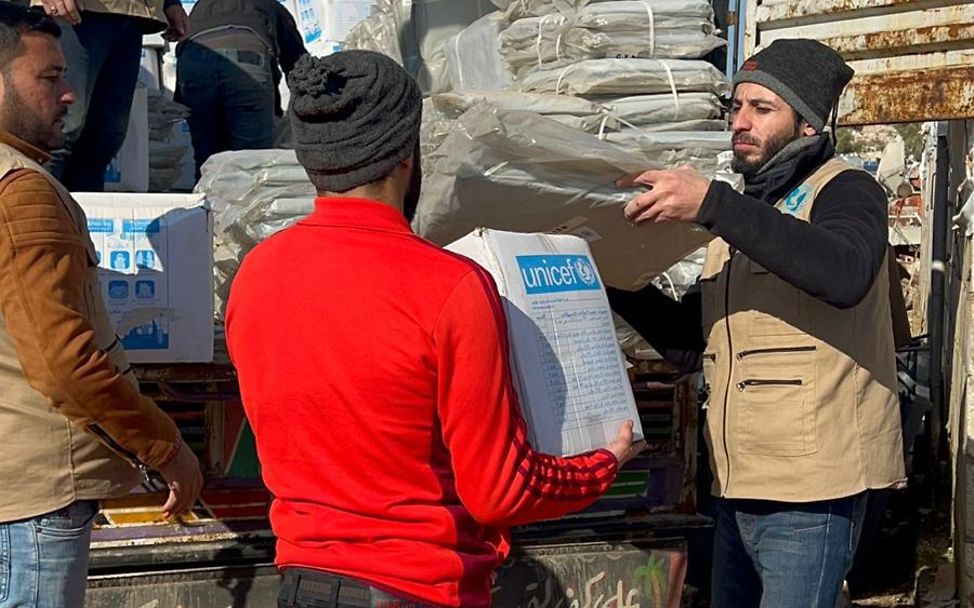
{"points": [[455, 103], [520, 9], [511, 170], [170, 147], [698, 148], [416, 34], [381, 31], [688, 112], [714, 142], [681, 125], [643, 110], [473, 56], [625, 77], [431, 25], [674, 29], [573, 111], [253, 193]]}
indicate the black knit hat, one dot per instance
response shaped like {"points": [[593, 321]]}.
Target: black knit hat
{"points": [[808, 75], [355, 115]]}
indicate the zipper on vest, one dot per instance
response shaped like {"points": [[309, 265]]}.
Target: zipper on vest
{"points": [[730, 362], [745, 384], [768, 351], [114, 446]]}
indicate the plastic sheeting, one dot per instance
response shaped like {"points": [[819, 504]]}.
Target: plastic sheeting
{"points": [[520, 9], [662, 29], [647, 113], [170, 147], [416, 34], [254, 194], [512, 170], [626, 77], [701, 149], [473, 56], [642, 110], [456, 103], [381, 31]]}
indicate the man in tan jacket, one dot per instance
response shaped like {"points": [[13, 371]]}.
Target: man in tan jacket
{"points": [[102, 40], [797, 344], [74, 427]]}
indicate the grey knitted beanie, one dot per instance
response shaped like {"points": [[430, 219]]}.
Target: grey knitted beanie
{"points": [[355, 115], [808, 75]]}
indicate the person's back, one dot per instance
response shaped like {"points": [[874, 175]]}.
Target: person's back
{"points": [[374, 369], [267, 19], [102, 41], [358, 393], [228, 72], [76, 429]]}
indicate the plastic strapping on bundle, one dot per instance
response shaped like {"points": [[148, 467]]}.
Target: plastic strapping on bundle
{"points": [[561, 77], [537, 43], [672, 284], [489, 172], [605, 119], [456, 51], [676, 96], [652, 28]]}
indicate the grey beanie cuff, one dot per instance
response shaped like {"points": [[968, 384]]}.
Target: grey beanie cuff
{"points": [[791, 98], [345, 179]]}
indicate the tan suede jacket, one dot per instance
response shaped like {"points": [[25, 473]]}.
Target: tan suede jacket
{"points": [[74, 424]]}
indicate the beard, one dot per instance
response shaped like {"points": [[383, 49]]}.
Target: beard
{"points": [[21, 121], [772, 145], [411, 200]]}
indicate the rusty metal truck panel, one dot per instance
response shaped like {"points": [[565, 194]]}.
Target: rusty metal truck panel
{"points": [[914, 59]]}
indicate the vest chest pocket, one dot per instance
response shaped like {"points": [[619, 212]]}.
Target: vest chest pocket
{"points": [[775, 306], [775, 395]]}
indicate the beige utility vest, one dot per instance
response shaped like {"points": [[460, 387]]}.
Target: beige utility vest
{"points": [[47, 462], [803, 399], [150, 12]]}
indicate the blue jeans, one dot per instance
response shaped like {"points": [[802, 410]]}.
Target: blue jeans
{"points": [[103, 54], [44, 560], [784, 555], [230, 95]]}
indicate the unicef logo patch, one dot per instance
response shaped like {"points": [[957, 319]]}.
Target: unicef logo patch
{"points": [[585, 271], [797, 199]]}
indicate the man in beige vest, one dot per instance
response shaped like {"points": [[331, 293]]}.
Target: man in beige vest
{"points": [[797, 343], [102, 40], [74, 427]]}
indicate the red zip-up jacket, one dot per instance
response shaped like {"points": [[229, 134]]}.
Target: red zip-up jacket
{"points": [[374, 370]]}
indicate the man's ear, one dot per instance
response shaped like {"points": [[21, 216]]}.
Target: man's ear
{"points": [[807, 130]]}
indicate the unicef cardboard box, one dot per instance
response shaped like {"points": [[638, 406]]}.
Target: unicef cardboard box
{"points": [[569, 371], [155, 256]]}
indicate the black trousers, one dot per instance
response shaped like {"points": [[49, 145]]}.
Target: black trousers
{"points": [[303, 588]]}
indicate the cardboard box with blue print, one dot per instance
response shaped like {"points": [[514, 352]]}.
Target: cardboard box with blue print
{"points": [[155, 255], [569, 371]]}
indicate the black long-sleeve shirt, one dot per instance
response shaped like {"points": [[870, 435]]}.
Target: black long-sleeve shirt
{"points": [[267, 18], [834, 257]]}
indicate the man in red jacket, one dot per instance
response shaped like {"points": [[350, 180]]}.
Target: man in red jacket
{"points": [[374, 370]]}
